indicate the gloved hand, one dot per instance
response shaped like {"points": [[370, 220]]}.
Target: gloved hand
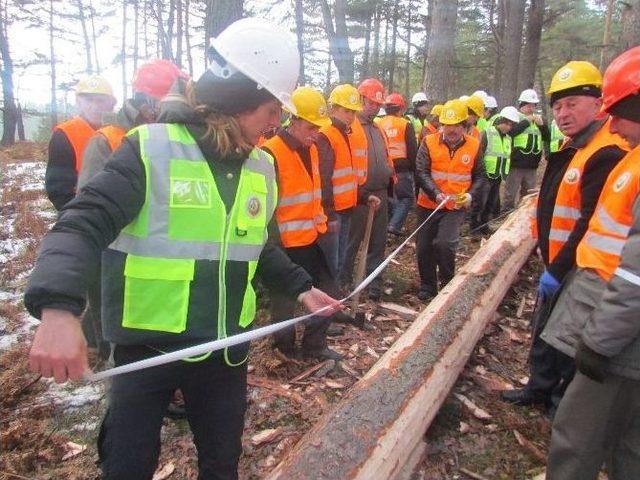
{"points": [[463, 201], [591, 363], [548, 285]]}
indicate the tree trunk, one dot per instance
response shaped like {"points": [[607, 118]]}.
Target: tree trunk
{"points": [[94, 38], [338, 39], [427, 36], [220, 14], [385, 54], [9, 112], [164, 40], [327, 79], [364, 73], [20, 124], [407, 58], [531, 51], [630, 34], [300, 36], [52, 58], [441, 52], [187, 35], [136, 27], [498, 35], [145, 30], [170, 24], [179, 33], [394, 36], [85, 36], [375, 70], [123, 49], [512, 41]]}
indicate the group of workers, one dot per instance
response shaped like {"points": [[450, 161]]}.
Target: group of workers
{"points": [[206, 190]]}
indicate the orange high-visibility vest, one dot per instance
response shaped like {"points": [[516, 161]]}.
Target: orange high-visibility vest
{"points": [[360, 151], [430, 128], [601, 246], [78, 131], [533, 218], [452, 174], [343, 179], [299, 213], [395, 129], [566, 211], [114, 135]]}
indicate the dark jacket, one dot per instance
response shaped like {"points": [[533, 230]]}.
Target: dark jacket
{"points": [[595, 174], [527, 160], [110, 201], [423, 170], [379, 172], [60, 178]]}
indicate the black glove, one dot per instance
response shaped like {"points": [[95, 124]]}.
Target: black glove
{"points": [[591, 363]]}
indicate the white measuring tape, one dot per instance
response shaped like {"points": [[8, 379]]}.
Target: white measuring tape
{"points": [[252, 334]]}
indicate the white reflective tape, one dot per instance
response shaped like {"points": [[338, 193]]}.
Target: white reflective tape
{"points": [[628, 276], [347, 187], [559, 235], [295, 225], [604, 243], [342, 172], [611, 224], [305, 197], [566, 212]]}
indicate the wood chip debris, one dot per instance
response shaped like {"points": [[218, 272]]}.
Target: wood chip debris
{"points": [[266, 436], [72, 449], [529, 447], [473, 408], [164, 472]]}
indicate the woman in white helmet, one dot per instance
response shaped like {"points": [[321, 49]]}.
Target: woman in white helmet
{"points": [[180, 216]]}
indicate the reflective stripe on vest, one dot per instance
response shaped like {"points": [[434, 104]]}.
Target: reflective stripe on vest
{"points": [[360, 151], [343, 180], [395, 130], [114, 135], [566, 211], [299, 211], [497, 159], [418, 125], [530, 140], [452, 175], [78, 132], [601, 247], [183, 219]]}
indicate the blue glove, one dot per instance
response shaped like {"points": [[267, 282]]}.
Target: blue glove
{"points": [[548, 285]]}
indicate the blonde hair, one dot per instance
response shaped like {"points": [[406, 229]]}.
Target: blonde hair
{"points": [[224, 130]]}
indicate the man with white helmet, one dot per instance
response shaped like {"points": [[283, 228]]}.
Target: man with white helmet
{"points": [[528, 137], [496, 145], [418, 116], [490, 110], [180, 216], [94, 98]]}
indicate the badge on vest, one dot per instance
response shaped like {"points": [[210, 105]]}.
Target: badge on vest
{"points": [[253, 207], [466, 158], [572, 176], [621, 182]]}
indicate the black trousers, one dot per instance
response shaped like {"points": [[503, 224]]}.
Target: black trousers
{"points": [[486, 203], [312, 259], [215, 401], [436, 247], [550, 370]]}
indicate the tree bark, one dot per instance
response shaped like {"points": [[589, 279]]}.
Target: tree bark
{"points": [[85, 36], [512, 41], [123, 49], [219, 15], [338, 39], [441, 52], [630, 34], [531, 52], [300, 36], [20, 124], [52, 59], [9, 112], [187, 35], [427, 35], [375, 66], [179, 32], [407, 58], [364, 73], [136, 31], [498, 35], [394, 36], [94, 38]]}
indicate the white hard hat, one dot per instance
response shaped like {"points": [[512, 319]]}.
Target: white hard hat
{"points": [[491, 102], [529, 96], [464, 98], [482, 94], [419, 97], [263, 52], [510, 113]]}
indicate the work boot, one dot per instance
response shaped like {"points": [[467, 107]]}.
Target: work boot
{"points": [[395, 232], [289, 352], [335, 330], [523, 397], [375, 294], [323, 354], [425, 294]]}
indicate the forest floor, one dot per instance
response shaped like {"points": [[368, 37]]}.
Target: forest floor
{"points": [[49, 431]]}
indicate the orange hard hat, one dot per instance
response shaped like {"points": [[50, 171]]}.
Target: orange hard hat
{"points": [[156, 77], [372, 89], [622, 78], [396, 100]]}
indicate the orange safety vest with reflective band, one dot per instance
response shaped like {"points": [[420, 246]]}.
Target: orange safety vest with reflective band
{"points": [[343, 179], [395, 129], [452, 174], [566, 211], [360, 149], [299, 212], [601, 246], [533, 218], [78, 131], [114, 135]]}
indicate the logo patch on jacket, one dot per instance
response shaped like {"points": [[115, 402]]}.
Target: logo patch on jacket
{"points": [[572, 176], [466, 158], [253, 207], [621, 182]]}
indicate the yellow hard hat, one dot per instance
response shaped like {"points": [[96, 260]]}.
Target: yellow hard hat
{"points": [[476, 105], [95, 85], [310, 106], [454, 112], [575, 74], [436, 109], [346, 96]]}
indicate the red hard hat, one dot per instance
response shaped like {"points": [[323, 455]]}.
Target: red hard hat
{"points": [[622, 78], [372, 89], [156, 77], [396, 100]]}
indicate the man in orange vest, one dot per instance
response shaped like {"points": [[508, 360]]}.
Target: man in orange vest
{"points": [[448, 167], [374, 172], [94, 98], [598, 420], [300, 218], [151, 82], [568, 194], [339, 183], [401, 140]]}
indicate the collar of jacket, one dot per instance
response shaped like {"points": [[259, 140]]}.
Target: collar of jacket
{"points": [[340, 125], [365, 120], [451, 147], [584, 136], [290, 141]]}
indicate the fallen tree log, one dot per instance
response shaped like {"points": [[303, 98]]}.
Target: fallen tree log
{"points": [[372, 432]]}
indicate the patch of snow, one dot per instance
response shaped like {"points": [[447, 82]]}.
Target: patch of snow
{"points": [[66, 396]]}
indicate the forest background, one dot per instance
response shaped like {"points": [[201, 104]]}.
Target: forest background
{"points": [[443, 47]]}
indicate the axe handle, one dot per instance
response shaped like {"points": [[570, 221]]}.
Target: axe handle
{"points": [[361, 256]]}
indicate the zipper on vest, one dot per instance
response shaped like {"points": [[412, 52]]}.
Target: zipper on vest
{"points": [[222, 277]]}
